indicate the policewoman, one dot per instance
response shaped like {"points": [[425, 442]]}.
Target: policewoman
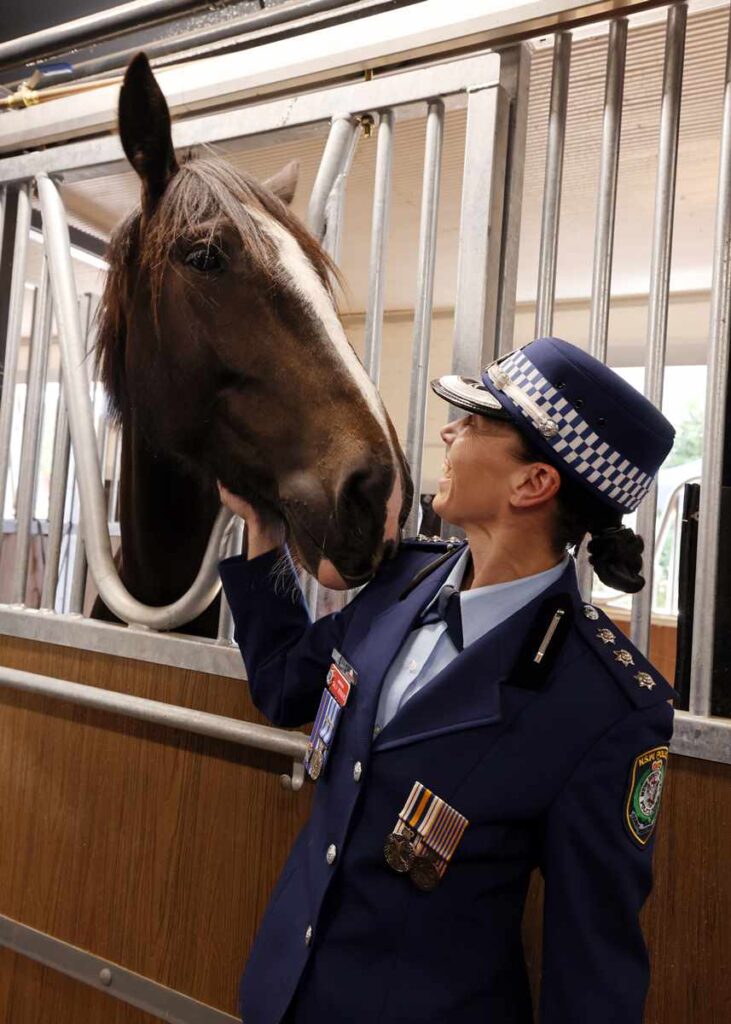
{"points": [[474, 720]]}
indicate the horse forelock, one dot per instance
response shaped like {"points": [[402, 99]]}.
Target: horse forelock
{"points": [[205, 192]]}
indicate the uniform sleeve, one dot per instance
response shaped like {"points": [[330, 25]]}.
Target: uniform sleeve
{"points": [[285, 654], [597, 877]]}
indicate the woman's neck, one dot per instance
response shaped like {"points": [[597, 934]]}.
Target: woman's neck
{"points": [[501, 554]]}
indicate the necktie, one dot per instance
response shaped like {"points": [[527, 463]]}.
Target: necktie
{"points": [[445, 608]]}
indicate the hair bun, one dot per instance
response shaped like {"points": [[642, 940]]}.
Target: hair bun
{"points": [[616, 554]]}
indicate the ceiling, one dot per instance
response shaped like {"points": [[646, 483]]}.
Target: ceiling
{"points": [[100, 204]]}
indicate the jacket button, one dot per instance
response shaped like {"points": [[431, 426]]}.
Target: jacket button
{"points": [[332, 852], [357, 771], [308, 935]]}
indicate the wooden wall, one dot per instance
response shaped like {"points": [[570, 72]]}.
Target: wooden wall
{"points": [[157, 850]]}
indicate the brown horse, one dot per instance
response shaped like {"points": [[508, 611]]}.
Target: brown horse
{"points": [[223, 358]]}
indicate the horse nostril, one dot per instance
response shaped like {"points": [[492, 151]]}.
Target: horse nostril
{"points": [[364, 489]]}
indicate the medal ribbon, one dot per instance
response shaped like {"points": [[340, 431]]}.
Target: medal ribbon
{"points": [[438, 826]]}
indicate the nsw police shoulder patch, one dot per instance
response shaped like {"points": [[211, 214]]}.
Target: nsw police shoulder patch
{"points": [[645, 789]]}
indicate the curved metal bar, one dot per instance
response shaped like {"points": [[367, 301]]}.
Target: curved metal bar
{"points": [[335, 160], [56, 503], [379, 243], [552, 183], [662, 245], [96, 533], [424, 300]]}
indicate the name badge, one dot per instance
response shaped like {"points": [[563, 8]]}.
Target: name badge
{"points": [[340, 684]]}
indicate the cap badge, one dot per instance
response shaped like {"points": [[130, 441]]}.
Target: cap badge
{"points": [[591, 612], [606, 636], [624, 658], [645, 679]]}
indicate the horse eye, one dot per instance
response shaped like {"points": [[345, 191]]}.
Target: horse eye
{"points": [[205, 259]]}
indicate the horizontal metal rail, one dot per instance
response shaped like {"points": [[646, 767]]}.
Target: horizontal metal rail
{"points": [[88, 472], [100, 156], [165, 1003], [247, 734]]}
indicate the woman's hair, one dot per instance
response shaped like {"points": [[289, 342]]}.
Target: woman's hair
{"points": [[615, 551]]}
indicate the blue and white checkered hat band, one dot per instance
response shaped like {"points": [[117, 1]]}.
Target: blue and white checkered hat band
{"points": [[570, 436]]}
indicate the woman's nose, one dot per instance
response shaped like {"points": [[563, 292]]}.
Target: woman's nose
{"points": [[450, 430]]}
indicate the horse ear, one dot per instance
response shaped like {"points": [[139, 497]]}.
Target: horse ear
{"points": [[144, 128], [284, 183]]}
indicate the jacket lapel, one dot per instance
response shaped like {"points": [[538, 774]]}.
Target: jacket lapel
{"points": [[468, 692], [387, 631]]}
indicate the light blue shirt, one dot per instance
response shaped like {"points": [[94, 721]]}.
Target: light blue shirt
{"points": [[429, 649]]}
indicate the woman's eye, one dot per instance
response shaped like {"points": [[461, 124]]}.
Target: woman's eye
{"points": [[206, 259]]}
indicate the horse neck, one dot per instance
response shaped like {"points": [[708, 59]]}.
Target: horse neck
{"points": [[166, 515]]}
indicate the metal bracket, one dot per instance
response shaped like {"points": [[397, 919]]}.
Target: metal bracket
{"points": [[295, 781]]}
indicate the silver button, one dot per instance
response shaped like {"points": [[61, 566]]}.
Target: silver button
{"points": [[357, 771], [413, 665], [308, 935], [591, 612], [376, 731], [332, 852]]}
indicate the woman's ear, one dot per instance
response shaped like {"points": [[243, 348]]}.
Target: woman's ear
{"points": [[144, 128], [535, 484]]}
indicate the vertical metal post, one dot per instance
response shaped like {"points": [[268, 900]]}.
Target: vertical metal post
{"points": [[56, 502], [552, 184], [32, 421], [233, 545], [719, 364], [334, 166], [78, 573], [515, 67], [662, 243], [424, 297], [480, 231], [379, 243], [606, 206], [16, 297], [116, 469]]}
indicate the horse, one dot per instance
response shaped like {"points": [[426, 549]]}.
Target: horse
{"points": [[223, 359]]}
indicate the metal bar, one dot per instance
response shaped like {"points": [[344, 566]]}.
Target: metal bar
{"points": [[480, 231], [116, 469], [68, 630], [695, 735], [31, 442], [96, 533], [662, 244], [406, 90], [335, 205], [233, 546], [334, 163], [719, 363], [552, 184], [601, 284], [379, 246], [16, 299], [77, 591], [106, 976], [56, 502], [515, 68], [424, 297]]}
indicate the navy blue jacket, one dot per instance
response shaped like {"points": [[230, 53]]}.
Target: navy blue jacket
{"points": [[538, 758]]}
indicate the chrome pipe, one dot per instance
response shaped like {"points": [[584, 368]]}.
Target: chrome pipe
{"points": [[379, 246], [202, 723], [424, 301], [601, 283], [116, 470], [77, 592], [706, 575], [232, 546], [31, 440], [16, 299], [662, 244], [56, 503], [333, 166], [552, 184], [76, 386]]}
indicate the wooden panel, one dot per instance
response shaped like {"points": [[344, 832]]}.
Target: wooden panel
{"points": [[147, 846], [33, 994], [687, 919]]}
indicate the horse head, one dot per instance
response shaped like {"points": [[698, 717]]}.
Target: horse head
{"points": [[219, 337]]}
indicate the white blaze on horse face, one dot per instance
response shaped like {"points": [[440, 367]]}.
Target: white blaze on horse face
{"points": [[307, 285]]}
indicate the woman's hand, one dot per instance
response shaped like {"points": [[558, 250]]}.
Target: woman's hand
{"points": [[262, 534]]}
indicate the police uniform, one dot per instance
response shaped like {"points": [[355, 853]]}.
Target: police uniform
{"points": [[543, 744]]}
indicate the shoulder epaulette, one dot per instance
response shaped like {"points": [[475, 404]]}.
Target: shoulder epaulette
{"points": [[639, 679]]}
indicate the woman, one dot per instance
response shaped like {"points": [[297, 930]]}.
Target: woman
{"points": [[475, 719]]}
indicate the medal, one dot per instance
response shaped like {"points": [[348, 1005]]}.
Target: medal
{"points": [[399, 849], [425, 837], [424, 874], [339, 684]]}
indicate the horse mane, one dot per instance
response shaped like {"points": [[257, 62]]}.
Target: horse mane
{"points": [[203, 191]]}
